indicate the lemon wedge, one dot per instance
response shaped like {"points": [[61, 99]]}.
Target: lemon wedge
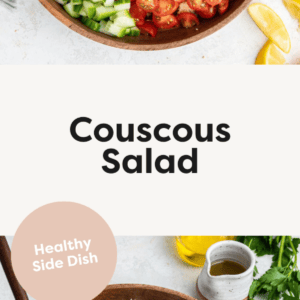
{"points": [[269, 55], [293, 6], [271, 25]]}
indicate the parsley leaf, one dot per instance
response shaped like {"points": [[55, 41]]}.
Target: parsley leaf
{"points": [[282, 280]]}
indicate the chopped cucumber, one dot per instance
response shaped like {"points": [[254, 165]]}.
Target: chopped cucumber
{"points": [[76, 2], [78, 8], [134, 31], [102, 28], [90, 23], [125, 22], [83, 12], [85, 20], [69, 8], [62, 2], [115, 29], [123, 13], [104, 12], [95, 26], [102, 25], [108, 2], [90, 8], [122, 4], [94, 11], [124, 19]]}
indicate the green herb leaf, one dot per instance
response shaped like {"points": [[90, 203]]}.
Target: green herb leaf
{"points": [[255, 272], [298, 276], [282, 280], [287, 297]]}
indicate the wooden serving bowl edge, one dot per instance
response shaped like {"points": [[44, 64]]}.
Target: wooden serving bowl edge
{"points": [[140, 292], [165, 39]]}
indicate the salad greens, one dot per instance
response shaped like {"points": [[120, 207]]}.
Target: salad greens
{"points": [[282, 280]]}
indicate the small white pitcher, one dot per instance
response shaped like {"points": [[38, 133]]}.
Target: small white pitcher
{"points": [[226, 287]]}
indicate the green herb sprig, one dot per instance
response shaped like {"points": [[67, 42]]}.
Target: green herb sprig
{"points": [[282, 280]]}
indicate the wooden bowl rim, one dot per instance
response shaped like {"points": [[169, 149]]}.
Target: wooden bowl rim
{"points": [[148, 287], [118, 43]]}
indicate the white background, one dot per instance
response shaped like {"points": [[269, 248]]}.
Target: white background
{"points": [[249, 185], [31, 35]]}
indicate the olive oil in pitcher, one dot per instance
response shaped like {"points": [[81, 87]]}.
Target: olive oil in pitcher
{"points": [[226, 267]]}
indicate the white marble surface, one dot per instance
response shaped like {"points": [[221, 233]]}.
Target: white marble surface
{"points": [[147, 260], [154, 261], [31, 35]]}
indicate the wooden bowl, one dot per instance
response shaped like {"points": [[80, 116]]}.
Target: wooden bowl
{"points": [[140, 292], [165, 39]]}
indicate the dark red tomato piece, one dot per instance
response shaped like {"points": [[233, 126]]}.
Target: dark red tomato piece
{"points": [[138, 14], [148, 28], [187, 19], [223, 6], [147, 5], [213, 2], [207, 11], [195, 4], [165, 22], [166, 7]]}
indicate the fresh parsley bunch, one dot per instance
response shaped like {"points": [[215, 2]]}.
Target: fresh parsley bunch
{"points": [[282, 280]]}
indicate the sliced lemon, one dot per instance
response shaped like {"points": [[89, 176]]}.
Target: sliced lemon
{"points": [[271, 25], [269, 55], [293, 6]]}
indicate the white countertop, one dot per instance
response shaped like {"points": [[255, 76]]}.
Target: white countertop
{"points": [[31, 35], [154, 261], [147, 260]]}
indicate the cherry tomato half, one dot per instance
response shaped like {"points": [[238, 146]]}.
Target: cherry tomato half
{"points": [[147, 5], [223, 6], [165, 7], [148, 28], [138, 14], [165, 22], [213, 2], [195, 4], [179, 1], [207, 11], [187, 19]]}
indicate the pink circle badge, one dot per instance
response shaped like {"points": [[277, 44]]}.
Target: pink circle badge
{"points": [[64, 251]]}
